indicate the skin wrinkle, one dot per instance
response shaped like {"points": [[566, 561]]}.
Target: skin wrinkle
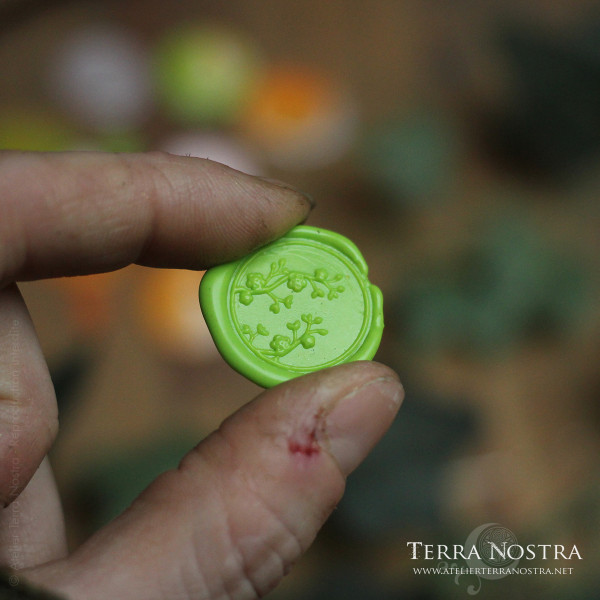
{"points": [[135, 190], [57, 205], [230, 583], [240, 566], [188, 468], [248, 568], [284, 547], [152, 219], [69, 199], [160, 243], [212, 183], [272, 568], [65, 200], [251, 488], [203, 213], [201, 587]]}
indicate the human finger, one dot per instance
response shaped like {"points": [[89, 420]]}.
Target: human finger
{"points": [[28, 412], [85, 212], [32, 528], [246, 503]]}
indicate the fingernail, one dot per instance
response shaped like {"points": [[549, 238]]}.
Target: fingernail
{"points": [[360, 419], [287, 186]]}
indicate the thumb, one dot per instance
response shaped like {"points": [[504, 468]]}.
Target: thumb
{"points": [[244, 504]]}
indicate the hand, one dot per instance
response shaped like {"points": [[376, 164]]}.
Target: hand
{"points": [[246, 502]]}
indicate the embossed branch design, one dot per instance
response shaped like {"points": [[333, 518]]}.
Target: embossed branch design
{"points": [[281, 345], [302, 332], [258, 284]]}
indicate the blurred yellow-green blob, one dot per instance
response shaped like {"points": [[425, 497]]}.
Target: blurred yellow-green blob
{"points": [[205, 73], [34, 130]]}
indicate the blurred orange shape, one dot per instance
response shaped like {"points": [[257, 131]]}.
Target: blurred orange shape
{"points": [[90, 300], [301, 118], [170, 315]]}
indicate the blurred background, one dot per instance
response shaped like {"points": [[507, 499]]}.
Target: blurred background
{"points": [[458, 144]]}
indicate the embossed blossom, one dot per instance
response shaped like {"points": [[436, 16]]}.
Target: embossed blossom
{"points": [[280, 343], [255, 281], [297, 281]]}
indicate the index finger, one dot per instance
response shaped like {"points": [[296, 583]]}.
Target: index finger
{"points": [[86, 212]]}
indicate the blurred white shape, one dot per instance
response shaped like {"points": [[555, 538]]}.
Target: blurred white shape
{"points": [[217, 147], [100, 75], [323, 140]]}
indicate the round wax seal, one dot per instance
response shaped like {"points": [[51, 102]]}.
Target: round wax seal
{"points": [[299, 304]]}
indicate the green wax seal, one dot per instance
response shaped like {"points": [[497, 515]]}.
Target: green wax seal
{"points": [[299, 304]]}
